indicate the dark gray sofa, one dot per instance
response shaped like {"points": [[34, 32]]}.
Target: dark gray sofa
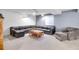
{"points": [[20, 31]]}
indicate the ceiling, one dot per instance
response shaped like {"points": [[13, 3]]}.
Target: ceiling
{"points": [[37, 11]]}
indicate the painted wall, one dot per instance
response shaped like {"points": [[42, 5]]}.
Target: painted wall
{"points": [[45, 20], [15, 19], [67, 19]]}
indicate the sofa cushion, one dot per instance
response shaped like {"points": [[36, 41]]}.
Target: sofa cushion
{"points": [[45, 30], [17, 31], [72, 35]]}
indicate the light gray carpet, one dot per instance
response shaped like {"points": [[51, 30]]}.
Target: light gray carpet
{"points": [[46, 42]]}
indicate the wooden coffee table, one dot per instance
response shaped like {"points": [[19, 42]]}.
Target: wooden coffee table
{"points": [[36, 33]]}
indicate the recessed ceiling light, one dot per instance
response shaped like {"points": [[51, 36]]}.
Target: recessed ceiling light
{"points": [[34, 13], [42, 14]]}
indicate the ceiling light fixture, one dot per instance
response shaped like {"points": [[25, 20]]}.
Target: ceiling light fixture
{"points": [[34, 13], [42, 15]]}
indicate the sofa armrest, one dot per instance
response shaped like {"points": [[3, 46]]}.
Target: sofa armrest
{"points": [[61, 36]]}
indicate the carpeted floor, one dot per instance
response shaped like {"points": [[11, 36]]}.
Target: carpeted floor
{"points": [[46, 42]]}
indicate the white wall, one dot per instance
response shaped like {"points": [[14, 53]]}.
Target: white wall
{"points": [[45, 20], [15, 19], [67, 19]]}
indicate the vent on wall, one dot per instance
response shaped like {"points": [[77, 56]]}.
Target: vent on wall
{"points": [[48, 14]]}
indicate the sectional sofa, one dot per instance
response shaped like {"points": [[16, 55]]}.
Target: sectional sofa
{"points": [[69, 33], [20, 31]]}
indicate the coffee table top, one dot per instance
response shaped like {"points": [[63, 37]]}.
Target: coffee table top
{"points": [[36, 31]]}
